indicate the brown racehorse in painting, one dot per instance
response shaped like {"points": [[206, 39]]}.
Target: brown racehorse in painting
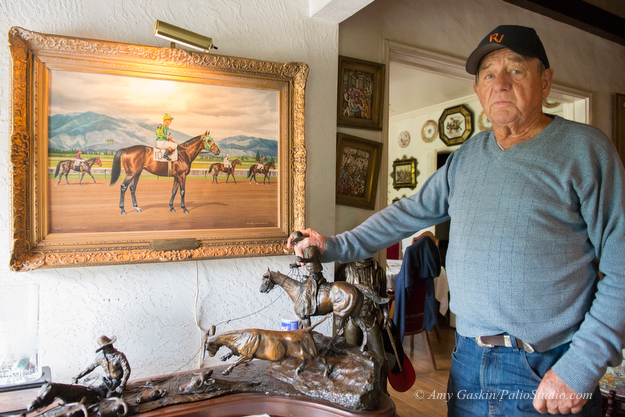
{"points": [[266, 169], [139, 157], [218, 167], [68, 165]]}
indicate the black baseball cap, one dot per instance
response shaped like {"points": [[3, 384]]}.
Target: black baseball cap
{"points": [[520, 39]]}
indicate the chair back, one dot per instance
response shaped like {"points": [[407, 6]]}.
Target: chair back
{"points": [[415, 308]]}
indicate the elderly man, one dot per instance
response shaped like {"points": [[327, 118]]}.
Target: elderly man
{"points": [[536, 258]]}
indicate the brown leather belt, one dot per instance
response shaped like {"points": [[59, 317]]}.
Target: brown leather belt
{"points": [[502, 340]]}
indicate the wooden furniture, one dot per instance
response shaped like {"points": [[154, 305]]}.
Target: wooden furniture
{"points": [[414, 319], [612, 405], [273, 405]]}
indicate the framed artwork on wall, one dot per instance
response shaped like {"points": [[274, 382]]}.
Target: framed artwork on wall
{"points": [[455, 125], [360, 93], [357, 168], [87, 188], [405, 173]]}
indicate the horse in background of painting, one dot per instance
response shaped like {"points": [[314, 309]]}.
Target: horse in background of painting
{"points": [[84, 167], [266, 169], [139, 157], [218, 167]]}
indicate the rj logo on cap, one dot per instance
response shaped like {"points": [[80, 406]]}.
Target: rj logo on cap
{"points": [[493, 37]]}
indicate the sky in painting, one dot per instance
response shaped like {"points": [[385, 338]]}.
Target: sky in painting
{"points": [[196, 107]]}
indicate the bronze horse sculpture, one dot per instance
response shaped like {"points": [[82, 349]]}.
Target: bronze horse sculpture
{"points": [[67, 393], [266, 169], [218, 167], [270, 345], [139, 157], [342, 299], [84, 167]]}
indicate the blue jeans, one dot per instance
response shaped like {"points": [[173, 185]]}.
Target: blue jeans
{"points": [[501, 381]]}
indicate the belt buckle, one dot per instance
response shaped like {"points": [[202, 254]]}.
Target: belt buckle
{"points": [[528, 348], [480, 343]]}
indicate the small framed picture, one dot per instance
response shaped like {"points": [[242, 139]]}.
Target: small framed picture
{"points": [[455, 125], [405, 173], [360, 93], [357, 169]]}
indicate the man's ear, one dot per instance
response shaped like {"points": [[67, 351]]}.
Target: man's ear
{"points": [[546, 81]]}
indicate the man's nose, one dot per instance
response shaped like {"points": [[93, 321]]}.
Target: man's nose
{"points": [[502, 82]]}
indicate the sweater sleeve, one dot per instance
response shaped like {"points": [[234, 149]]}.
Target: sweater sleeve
{"points": [[599, 341], [398, 221]]}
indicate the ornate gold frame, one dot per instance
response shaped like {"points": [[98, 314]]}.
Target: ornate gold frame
{"points": [[365, 198], [464, 114], [34, 247], [372, 112], [401, 165]]}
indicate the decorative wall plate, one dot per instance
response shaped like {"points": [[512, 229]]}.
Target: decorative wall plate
{"points": [[455, 125], [404, 139], [429, 131], [483, 123]]}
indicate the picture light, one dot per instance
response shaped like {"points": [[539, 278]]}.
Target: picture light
{"points": [[182, 36]]}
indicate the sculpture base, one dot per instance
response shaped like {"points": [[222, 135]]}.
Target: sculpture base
{"points": [[273, 405], [355, 386]]}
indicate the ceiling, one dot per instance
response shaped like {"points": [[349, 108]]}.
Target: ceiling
{"points": [[412, 88], [604, 18]]}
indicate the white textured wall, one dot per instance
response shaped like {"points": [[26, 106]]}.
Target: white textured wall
{"points": [[150, 307], [454, 27]]}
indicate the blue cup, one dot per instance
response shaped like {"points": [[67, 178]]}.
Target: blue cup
{"points": [[290, 323]]}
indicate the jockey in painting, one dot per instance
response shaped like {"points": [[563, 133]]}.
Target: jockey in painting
{"points": [[163, 140]]}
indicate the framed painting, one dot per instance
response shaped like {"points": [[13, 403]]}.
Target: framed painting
{"points": [[405, 173], [125, 153], [455, 125], [360, 94], [357, 168]]}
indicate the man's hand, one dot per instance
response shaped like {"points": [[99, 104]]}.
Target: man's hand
{"points": [[555, 397], [313, 239]]}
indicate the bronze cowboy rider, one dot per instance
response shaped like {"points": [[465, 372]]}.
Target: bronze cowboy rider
{"points": [[114, 364]]}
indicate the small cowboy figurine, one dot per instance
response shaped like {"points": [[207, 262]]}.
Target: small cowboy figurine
{"points": [[163, 140], [114, 364]]}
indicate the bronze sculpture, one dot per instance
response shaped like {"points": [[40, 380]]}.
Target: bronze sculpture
{"points": [[269, 345], [295, 363], [375, 316], [115, 365]]}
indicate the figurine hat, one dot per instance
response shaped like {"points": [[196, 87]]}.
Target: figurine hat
{"points": [[104, 341], [166, 117], [520, 39]]}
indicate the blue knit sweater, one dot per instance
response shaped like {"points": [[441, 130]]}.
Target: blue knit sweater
{"points": [[530, 228]]}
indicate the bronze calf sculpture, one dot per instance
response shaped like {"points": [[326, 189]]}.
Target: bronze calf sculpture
{"points": [[269, 345]]}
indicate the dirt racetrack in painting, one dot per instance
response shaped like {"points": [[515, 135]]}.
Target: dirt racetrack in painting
{"points": [[93, 208]]}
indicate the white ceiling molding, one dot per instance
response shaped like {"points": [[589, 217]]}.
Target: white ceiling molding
{"points": [[453, 67], [335, 11]]}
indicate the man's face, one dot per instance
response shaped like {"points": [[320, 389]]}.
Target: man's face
{"points": [[167, 122], [510, 89]]}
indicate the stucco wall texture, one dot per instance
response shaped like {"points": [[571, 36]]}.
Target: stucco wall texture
{"points": [[151, 308]]}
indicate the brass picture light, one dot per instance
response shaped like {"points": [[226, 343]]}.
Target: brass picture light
{"points": [[182, 36]]}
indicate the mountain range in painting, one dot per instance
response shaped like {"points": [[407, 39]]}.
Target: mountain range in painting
{"points": [[93, 132]]}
